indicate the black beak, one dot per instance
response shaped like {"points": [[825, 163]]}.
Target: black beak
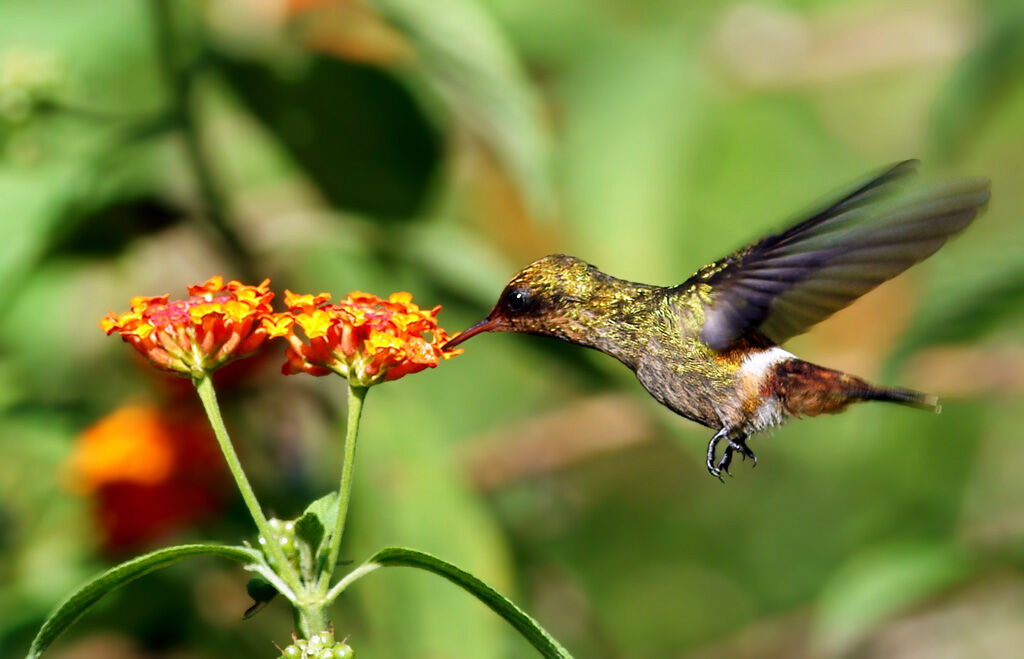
{"points": [[486, 325]]}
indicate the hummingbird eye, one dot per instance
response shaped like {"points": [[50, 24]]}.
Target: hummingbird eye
{"points": [[517, 300]]}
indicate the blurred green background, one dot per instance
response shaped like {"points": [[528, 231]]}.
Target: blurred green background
{"points": [[436, 147]]}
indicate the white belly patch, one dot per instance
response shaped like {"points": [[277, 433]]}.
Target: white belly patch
{"points": [[758, 363], [753, 369]]}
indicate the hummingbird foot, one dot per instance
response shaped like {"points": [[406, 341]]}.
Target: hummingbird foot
{"points": [[713, 468], [740, 444], [735, 444]]}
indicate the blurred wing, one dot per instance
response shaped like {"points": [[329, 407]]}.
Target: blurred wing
{"points": [[784, 284]]}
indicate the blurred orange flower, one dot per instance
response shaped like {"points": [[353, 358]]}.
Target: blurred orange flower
{"points": [[149, 471], [364, 338], [132, 445], [214, 325]]}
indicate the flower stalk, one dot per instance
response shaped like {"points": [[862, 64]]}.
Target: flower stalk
{"points": [[284, 569], [311, 619], [356, 395]]}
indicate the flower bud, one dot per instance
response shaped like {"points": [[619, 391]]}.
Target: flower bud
{"points": [[284, 535], [318, 646]]}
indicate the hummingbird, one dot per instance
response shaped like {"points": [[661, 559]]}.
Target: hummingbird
{"points": [[709, 348]]}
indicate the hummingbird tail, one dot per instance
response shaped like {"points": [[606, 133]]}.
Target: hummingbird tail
{"points": [[904, 397], [809, 389]]}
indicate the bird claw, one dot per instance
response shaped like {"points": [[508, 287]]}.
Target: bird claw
{"points": [[712, 445], [723, 464], [738, 444]]}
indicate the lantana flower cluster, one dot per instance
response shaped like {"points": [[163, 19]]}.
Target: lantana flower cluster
{"points": [[216, 324], [363, 338]]}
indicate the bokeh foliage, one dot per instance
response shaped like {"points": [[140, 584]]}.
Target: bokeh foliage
{"points": [[436, 147]]}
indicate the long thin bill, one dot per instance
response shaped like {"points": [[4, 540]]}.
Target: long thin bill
{"points": [[485, 325]]}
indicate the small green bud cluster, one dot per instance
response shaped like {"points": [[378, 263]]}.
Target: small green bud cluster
{"points": [[284, 535], [320, 646]]}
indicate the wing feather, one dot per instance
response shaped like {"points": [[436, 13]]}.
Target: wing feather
{"points": [[785, 283]]}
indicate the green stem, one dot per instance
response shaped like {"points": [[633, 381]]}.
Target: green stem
{"points": [[349, 579], [311, 619], [355, 409], [285, 569]]}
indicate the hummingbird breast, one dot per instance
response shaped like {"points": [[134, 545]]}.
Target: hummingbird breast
{"points": [[717, 389]]}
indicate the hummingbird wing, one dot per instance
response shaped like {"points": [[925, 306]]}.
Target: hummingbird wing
{"points": [[783, 284]]}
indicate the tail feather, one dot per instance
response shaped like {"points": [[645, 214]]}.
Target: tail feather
{"points": [[904, 397], [809, 389]]}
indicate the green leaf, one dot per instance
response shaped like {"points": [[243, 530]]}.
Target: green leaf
{"points": [[523, 623], [261, 591], [78, 602], [984, 79], [316, 518], [310, 530], [325, 508], [358, 133], [467, 61], [966, 309], [105, 50], [877, 586]]}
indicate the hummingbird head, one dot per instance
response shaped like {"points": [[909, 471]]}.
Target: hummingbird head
{"points": [[546, 297]]}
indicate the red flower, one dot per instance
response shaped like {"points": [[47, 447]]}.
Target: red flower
{"points": [[192, 337], [149, 472], [364, 338]]}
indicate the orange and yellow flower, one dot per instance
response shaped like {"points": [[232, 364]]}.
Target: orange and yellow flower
{"points": [[216, 324], [148, 470], [364, 338]]}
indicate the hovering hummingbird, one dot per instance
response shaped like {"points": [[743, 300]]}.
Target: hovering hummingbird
{"points": [[708, 349]]}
